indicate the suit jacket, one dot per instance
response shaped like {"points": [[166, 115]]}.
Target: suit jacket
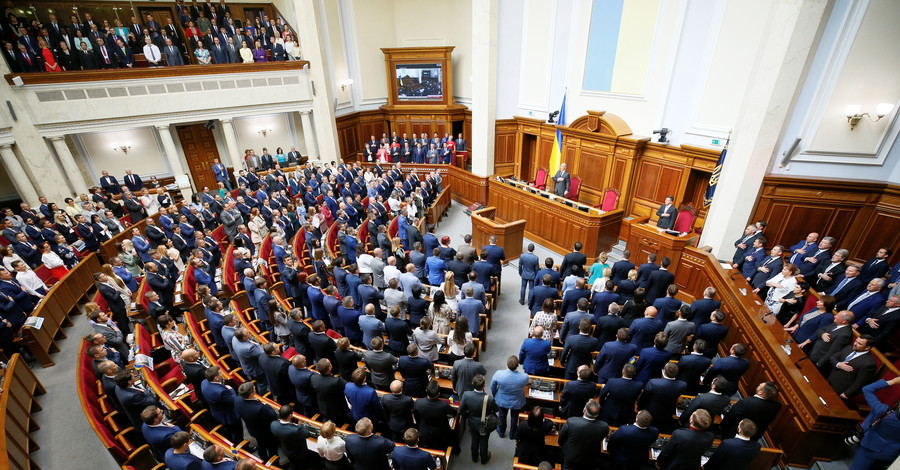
{"points": [[658, 283], [740, 253], [220, 54], [102, 61], [398, 410], [888, 322], [414, 371], [464, 370], [577, 352], [822, 350], [578, 438], [758, 281], [276, 371], [850, 383], [575, 395], [650, 363], [643, 330], [660, 397], [714, 403], [292, 440], [761, 411], [873, 268], [833, 272], [133, 403], [533, 356], [306, 396], [431, 414], [730, 367], [690, 368], [330, 396], [257, 416], [370, 452], [628, 447], [712, 333], [570, 261], [561, 187], [159, 437], [613, 356], [666, 222], [644, 271], [381, 367], [617, 399], [733, 454], [684, 449], [845, 294], [537, 296]]}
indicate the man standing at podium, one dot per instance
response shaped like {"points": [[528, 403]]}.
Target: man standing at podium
{"points": [[561, 181], [666, 213]]}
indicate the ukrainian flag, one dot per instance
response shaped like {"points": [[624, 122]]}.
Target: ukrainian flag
{"points": [[714, 178], [556, 152]]}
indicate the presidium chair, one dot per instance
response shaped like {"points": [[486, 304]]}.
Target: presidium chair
{"points": [[574, 188], [610, 200], [684, 222], [540, 179]]}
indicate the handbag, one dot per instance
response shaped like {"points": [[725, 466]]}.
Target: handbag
{"points": [[489, 421]]}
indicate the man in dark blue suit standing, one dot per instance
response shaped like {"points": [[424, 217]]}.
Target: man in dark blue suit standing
{"points": [[620, 268], [157, 433], [258, 418], [134, 400], [578, 349], [846, 287], [659, 281], [542, 292], [687, 445], [692, 366], [533, 354], [651, 360], [743, 245], [178, 457], [661, 395], [876, 266], [667, 214], [109, 183], [812, 259], [736, 453], [600, 301], [579, 437], [701, 309], [753, 257], [220, 398], [528, 268], [555, 277], [644, 329], [291, 437], [613, 356], [731, 367], [712, 333], [619, 395], [630, 445], [496, 256], [577, 392], [645, 269], [668, 305]]}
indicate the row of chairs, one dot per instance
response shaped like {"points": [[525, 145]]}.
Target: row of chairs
{"points": [[18, 400]]}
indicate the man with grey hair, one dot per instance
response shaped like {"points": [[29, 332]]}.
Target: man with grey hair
{"points": [[377, 267], [812, 259], [867, 302], [882, 323], [230, 218], [827, 272]]}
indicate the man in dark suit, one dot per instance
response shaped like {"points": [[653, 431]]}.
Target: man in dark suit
{"points": [[194, 372], [752, 259], [578, 349], [329, 390], [119, 312], [496, 256], [87, 58], [812, 259], [576, 393], [555, 278], [132, 181], [619, 395], [291, 438], [852, 367], [692, 366], [133, 398], [541, 293], [575, 305], [613, 355], [643, 330], [275, 368], [220, 398], [172, 54], [432, 414], [744, 244], [701, 309], [686, 446], [768, 268], [300, 377], [219, 54], [645, 269], [533, 354], [661, 395], [398, 410], [600, 308], [667, 214], [659, 281], [621, 268], [579, 437], [106, 59], [470, 407], [561, 181], [868, 301], [414, 370], [366, 449], [157, 433], [731, 367], [712, 333], [876, 266], [109, 183], [576, 258], [258, 418], [829, 339], [761, 407], [630, 445], [828, 271], [883, 322], [736, 453], [713, 402]]}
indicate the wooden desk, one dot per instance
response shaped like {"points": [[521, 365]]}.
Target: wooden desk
{"points": [[553, 223], [646, 238], [814, 420], [509, 235]]}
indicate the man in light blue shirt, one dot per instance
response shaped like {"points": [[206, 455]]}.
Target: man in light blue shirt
{"points": [[508, 388]]}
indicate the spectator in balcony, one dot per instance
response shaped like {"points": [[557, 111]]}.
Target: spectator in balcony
{"points": [[246, 53], [277, 49], [259, 54], [202, 54], [192, 33], [106, 59], [67, 58], [49, 59], [292, 48], [233, 51], [120, 30], [152, 26], [79, 39], [219, 55], [12, 59], [86, 56], [124, 54], [28, 62], [172, 54]]}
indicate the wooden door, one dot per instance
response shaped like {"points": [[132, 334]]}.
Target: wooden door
{"points": [[160, 16], [199, 146]]}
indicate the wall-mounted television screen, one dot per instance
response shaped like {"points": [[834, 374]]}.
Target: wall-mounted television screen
{"points": [[420, 82]]}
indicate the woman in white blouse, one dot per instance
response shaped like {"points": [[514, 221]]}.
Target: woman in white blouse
{"points": [[599, 284], [331, 448], [440, 313], [172, 339], [781, 285], [52, 261], [9, 255], [150, 203], [458, 338], [451, 292]]}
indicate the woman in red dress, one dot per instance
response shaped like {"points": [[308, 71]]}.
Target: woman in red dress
{"points": [[327, 218], [50, 64]]}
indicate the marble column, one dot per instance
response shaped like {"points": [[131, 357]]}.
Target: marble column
{"points": [[485, 22], [231, 146], [69, 166], [308, 136], [174, 162], [18, 176], [778, 73]]}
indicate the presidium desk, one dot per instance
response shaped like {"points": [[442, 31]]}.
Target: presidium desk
{"points": [[552, 221]]}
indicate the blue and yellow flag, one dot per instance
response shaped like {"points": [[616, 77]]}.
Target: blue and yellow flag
{"points": [[556, 152], [714, 178]]}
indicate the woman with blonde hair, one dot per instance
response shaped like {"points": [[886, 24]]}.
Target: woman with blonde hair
{"points": [[627, 287], [427, 340], [780, 286], [129, 257], [451, 292], [398, 251], [599, 284], [257, 227], [331, 448], [598, 267], [172, 253], [150, 203], [117, 282]]}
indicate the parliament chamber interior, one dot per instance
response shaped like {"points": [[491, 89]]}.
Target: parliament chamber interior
{"points": [[375, 234]]}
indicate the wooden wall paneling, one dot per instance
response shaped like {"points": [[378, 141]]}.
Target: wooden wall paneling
{"points": [[467, 131], [883, 230]]}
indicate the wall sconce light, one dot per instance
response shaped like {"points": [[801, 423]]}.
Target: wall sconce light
{"points": [[124, 147], [264, 131], [346, 84], [854, 116]]}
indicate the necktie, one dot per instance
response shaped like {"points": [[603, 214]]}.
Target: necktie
{"points": [[105, 57], [841, 285], [28, 59], [850, 356]]}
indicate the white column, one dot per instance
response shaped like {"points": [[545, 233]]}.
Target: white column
{"points": [[777, 75], [174, 163], [231, 146], [485, 21], [18, 176], [69, 165], [308, 137]]}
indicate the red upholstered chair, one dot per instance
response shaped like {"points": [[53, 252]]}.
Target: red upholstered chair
{"points": [[610, 200], [3, 241], [684, 223], [540, 179], [574, 188]]}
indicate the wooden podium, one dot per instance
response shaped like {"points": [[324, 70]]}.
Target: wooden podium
{"points": [[644, 239], [509, 235]]}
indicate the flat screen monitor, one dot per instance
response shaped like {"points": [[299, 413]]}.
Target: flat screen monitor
{"points": [[420, 82]]}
